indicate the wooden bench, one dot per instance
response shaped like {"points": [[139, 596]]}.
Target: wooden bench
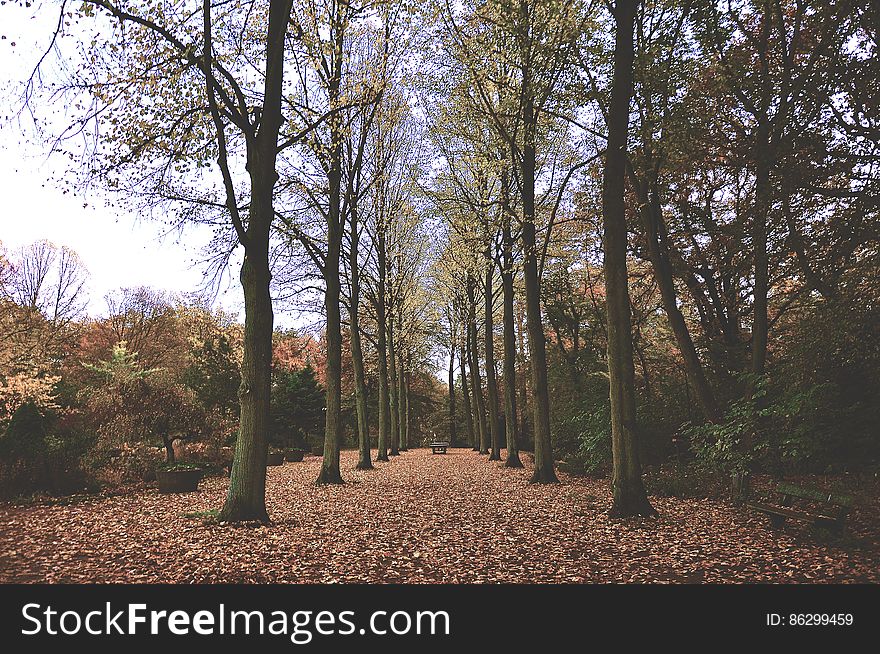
{"points": [[438, 446], [824, 509]]}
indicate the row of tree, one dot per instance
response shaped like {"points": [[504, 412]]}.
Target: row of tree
{"points": [[725, 146], [722, 155]]}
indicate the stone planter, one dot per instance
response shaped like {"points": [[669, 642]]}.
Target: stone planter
{"points": [[178, 481], [294, 456], [275, 459]]}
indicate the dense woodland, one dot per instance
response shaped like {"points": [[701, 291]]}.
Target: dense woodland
{"points": [[615, 235]]}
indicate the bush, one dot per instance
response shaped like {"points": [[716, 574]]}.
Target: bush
{"points": [[37, 458], [580, 419], [593, 428], [721, 447], [127, 464], [25, 437]]}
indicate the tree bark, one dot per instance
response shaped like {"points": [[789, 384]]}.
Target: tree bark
{"points": [[629, 493], [357, 354], [509, 368], [491, 381], [476, 382], [401, 393], [465, 392], [246, 496], [658, 252], [395, 391], [544, 469], [452, 426], [407, 419], [382, 324], [169, 449], [330, 472], [522, 377], [760, 324]]}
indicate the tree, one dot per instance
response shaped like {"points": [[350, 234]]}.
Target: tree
{"points": [[134, 404], [663, 63], [50, 280], [538, 43], [24, 437], [355, 148], [489, 351], [786, 47], [22, 388], [213, 107], [320, 58], [298, 405], [147, 321], [43, 297], [214, 372], [630, 497]]}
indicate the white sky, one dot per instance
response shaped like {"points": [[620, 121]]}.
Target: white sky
{"points": [[118, 249]]}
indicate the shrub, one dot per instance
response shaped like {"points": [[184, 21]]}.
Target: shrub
{"points": [[37, 458], [593, 426], [721, 446]]}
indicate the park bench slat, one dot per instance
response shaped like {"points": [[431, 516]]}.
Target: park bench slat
{"points": [[815, 494], [786, 512], [831, 510]]}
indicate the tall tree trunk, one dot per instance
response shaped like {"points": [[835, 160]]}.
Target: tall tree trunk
{"points": [[629, 491], [246, 496], [401, 377], [760, 324], [393, 383], [382, 325], [330, 472], [544, 471], [452, 426], [465, 392], [522, 377], [509, 368], [407, 413], [476, 382], [658, 252], [357, 355], [246, 499], [762, 155], [491, 381]]}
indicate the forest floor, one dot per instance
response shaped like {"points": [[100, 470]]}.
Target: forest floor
{"points": [[422, 518]]}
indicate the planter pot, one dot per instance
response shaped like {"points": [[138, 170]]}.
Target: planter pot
{"points": [[275, 459], [294, 456], [178, 481]]}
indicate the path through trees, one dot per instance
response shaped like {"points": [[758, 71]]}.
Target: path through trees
{"points": [[453, 519]]}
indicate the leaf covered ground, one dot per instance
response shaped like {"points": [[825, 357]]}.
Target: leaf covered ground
{"points": [[421, 518]]}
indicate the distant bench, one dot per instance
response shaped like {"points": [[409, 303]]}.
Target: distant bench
{"points": [[439, 446], [825, 509]]}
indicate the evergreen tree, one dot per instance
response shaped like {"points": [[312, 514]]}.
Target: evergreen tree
{"points": [[298, 405]]}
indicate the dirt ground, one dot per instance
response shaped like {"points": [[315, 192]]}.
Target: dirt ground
{"points": [[422, 518]]}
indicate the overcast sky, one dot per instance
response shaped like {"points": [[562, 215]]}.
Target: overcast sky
{"points": [[118, 249]]}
